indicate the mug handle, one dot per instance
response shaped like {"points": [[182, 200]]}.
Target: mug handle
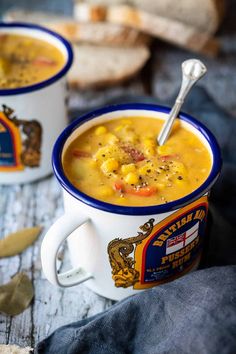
{"points": [[54, 237]]}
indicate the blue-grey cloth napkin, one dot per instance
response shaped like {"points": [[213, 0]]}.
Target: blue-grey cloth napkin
{"points": [[195, 314]]}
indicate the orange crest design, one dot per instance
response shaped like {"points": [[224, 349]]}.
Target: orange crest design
{"points": [[20, 142]]}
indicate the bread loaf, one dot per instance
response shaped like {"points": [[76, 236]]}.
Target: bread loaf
{"points": [[173, 31], [98, 66], [205, 15], [101, 33]]}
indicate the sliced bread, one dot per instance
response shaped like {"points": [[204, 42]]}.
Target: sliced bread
{"points": [[39, 17], [205, 15], [99, 66], [100, 33], [173, 31]]}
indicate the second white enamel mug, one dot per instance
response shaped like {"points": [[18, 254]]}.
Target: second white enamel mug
{"points": [[32, 117]]}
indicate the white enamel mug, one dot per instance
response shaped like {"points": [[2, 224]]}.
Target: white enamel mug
{"points": [[119, 250], [32, 117]]}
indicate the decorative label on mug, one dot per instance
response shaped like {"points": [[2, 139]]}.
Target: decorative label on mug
{"points": [[162, 251], [20, 142]]}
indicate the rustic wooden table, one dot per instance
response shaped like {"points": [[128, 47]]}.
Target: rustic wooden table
{"points": [[40, 203]]}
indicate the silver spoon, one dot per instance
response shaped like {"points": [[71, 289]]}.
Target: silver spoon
{"points": [[192, 71]]}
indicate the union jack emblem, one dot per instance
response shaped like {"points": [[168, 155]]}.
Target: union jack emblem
{"points": [[176, 243]]}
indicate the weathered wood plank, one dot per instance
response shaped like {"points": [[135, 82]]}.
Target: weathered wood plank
{"points": [[39, 204]]}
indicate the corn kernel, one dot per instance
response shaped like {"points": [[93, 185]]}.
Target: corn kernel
{"points": [[105, 191], [100, 130], [145, 169], [125, 169], [109, 165], [160, 186], [149, 152], [131, 137], [178, 167], [111, 138], [164, 150], [110, 151], [103, 153], [149, 143], [131, 178], [92, 162]]}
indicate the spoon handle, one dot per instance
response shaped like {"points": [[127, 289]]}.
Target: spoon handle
{"points": [[192, 71]]}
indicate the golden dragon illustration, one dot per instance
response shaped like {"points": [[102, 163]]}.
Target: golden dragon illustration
{"points": [[124, 273]]}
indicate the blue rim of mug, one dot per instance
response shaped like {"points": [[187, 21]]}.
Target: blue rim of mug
{"points": [[52, 79], [135, 210]]}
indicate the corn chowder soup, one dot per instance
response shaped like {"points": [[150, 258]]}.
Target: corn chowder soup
{"points": [[25, 60], [119, 162]]}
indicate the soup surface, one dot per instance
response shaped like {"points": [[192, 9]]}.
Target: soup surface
{"points": [[119, 162], [25, 60]]}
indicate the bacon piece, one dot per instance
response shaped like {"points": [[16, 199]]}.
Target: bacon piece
{"points": [[142, 192], [79, 154], [44, 61], [135, 154], [165, 158]]}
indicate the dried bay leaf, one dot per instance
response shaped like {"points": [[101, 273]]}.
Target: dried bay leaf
{"points": [[17, 242], [16, 295]]}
